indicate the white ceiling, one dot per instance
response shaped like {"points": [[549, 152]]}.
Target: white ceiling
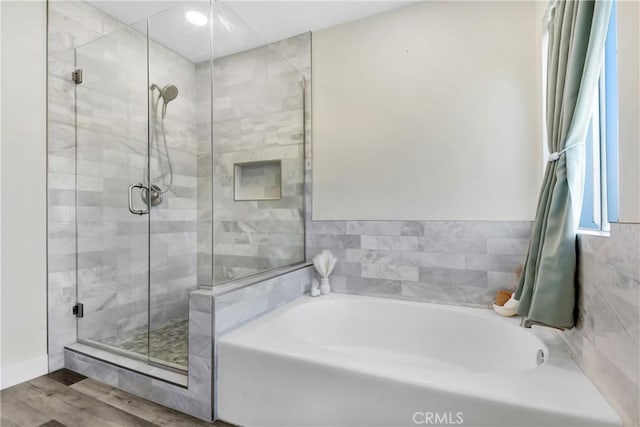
{"points": [[277, 20], [240, 25]]}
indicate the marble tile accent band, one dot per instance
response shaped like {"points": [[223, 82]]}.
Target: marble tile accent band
{"points": [[451, 262]]}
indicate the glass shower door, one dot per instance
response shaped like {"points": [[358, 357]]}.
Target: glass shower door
{"points": [[112, 155], [142, 113], [178, 61]]}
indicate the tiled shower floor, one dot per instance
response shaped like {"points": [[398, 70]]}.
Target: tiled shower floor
{"points": [[168, 342]]}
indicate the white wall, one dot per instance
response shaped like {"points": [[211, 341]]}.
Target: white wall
{"points": [[23, 182], [428, 112], [629, 109]]}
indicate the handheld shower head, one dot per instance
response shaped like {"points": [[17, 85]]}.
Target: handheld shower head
{"points": [[168, 94], [154, 193]]}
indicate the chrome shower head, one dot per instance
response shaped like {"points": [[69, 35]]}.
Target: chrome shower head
{"points": [[169, 93]]}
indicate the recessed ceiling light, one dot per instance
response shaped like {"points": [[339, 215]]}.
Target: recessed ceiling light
{"points": [[196, 18]]}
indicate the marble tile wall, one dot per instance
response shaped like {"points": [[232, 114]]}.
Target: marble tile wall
{"points": [[606, 339], [460, 263], [234, 309], [100, 155], [257, 116]]}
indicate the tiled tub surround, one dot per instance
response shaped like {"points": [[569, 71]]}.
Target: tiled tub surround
{"points": [[460, 263], [234, 307], [606, 339]]}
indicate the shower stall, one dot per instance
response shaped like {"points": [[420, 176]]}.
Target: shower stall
{"points": [[180, 138]]}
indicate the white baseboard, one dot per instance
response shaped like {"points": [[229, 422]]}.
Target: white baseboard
{"points": [[23, 371]]}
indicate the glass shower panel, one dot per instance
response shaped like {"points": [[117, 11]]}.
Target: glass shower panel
{"points": [[180, 147], [258, 146], [111, 155], [187, 123]]}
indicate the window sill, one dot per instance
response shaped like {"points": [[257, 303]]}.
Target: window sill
{"points": [[600, 233]]}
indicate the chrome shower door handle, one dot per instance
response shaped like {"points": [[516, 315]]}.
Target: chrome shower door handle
{"points": [[131, 209]]}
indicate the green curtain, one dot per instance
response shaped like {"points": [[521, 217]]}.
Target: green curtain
{"points": [[577, 32]]}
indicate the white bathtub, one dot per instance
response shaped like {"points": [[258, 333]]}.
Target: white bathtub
{"points": [[343, 360]]}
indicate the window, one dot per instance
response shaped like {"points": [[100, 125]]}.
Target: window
{"points": [[600, 201]]}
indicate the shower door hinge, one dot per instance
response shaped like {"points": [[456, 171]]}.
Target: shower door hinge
{"points": [[76, 76], [78, 310]]}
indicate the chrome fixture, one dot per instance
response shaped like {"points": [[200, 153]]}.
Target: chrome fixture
{"points": [[152, 192], [156, 195], [168, 94], [131, 209]]}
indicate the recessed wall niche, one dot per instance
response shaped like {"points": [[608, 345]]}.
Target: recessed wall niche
{"points": [[261, 180]]}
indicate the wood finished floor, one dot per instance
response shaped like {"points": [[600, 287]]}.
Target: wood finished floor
{"points": [[66, 399]]}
